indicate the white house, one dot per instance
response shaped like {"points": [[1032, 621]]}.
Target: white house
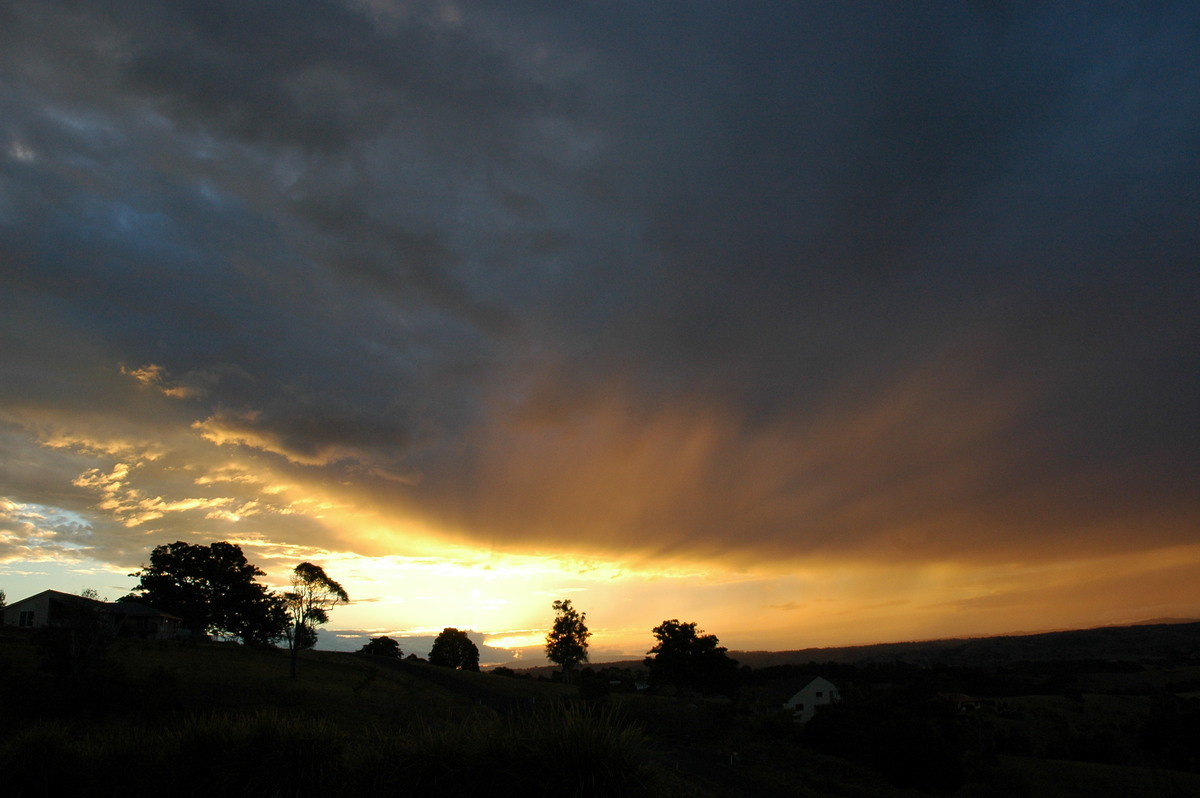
{"points": [[817, 693]]}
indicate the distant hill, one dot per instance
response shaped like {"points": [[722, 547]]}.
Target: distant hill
{"points": [[1176, 640], [1167, 640]]}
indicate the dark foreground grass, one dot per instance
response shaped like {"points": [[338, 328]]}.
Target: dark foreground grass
{"points": [[561, 751], [178, 719]]}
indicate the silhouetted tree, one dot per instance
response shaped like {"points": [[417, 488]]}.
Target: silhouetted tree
{"points": [[453, 649], [308, 603], [382, 647], [566, 644], [213, 589], [686, 657], [305, 637], [261, 621]]}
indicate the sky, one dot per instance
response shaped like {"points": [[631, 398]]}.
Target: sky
{"points": [[815, 324]]}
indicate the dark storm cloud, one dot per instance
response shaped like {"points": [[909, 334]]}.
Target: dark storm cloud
{"points": [[918, 166], [806, 276]]}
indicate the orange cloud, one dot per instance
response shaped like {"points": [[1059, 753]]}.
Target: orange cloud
{"points": [[903, 473], [941, 463], [227, 428]]}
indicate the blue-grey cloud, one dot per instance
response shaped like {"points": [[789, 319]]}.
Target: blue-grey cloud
{"points": [[679, 277]]}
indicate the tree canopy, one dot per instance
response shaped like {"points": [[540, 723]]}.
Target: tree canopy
{"points": [[382, 647], [308, 603], [213, 589], [566, 644], [688, 658], [454, 649]]}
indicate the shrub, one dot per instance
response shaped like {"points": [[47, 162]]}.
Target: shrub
{"points": [[259, 753]]}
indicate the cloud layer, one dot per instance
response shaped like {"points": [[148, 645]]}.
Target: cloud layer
{"points": [[638, 281]]}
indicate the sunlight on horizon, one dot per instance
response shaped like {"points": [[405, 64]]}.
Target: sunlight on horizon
{"points": [[506, 597]]}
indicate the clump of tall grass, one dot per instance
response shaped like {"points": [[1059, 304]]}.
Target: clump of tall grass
{"points": [[449, 757], [99, 758], [260, 753], [42, 758], [559, 751], [584, 752], [254, 754]]}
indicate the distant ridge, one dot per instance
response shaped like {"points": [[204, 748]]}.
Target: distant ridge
{"points": [[1176, 639], [1146, 640], [1158, 622]]}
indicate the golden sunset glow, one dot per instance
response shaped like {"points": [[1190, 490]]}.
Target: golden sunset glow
{"points": [[641, 486], [854, 336]]}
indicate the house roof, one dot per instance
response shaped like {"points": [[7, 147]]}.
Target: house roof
{"points": [[142, 610], [129, 608], [59, 596], [819, 683]]}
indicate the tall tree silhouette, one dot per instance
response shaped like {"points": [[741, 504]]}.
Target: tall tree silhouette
{"points": [[312, 596], [213, 589], [566, 644]]}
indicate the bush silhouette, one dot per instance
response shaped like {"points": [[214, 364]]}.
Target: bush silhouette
{"points": [[384, 647]]}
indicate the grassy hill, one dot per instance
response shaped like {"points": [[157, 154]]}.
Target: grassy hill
{"points": [[222, 719], [1167, 641]]}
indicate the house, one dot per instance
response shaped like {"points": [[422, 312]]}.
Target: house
{"points": [[52, 608], [966, 703], [47, 608], [817, 693], [144, 622]]}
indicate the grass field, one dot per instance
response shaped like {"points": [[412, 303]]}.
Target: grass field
{"points": [[221, 719]]}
